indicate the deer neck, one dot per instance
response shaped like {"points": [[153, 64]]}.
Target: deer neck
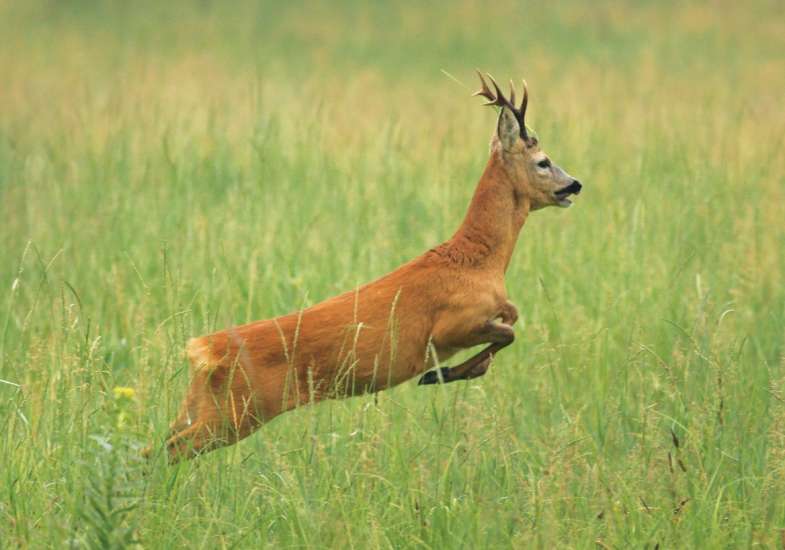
{"points": [[497, 212]]}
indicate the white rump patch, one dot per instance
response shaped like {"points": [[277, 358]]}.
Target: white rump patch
{"points": [[198, 352]]}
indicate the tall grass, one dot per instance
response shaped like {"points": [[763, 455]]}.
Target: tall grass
{"points": [[171, 168]]}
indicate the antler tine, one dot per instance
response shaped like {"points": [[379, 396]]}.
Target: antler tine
{"points": [[524, 103], [512, 93], [501, 101], [525, 100], [485, 91]]}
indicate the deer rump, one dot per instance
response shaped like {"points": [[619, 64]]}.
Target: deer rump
{"points": [[247, 375]]}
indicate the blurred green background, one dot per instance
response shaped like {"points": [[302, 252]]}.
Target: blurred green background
{"points": [[167, 169]]}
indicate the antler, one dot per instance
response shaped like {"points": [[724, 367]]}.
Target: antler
{"points": [[497, 99]]}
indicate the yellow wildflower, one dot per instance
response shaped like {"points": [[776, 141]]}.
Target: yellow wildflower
{"points": [[123, 392]]}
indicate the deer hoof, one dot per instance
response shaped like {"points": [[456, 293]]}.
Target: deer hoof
{"points": [[432, 376]]}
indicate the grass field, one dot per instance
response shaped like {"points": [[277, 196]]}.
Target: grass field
{"points": [[171, 168]]}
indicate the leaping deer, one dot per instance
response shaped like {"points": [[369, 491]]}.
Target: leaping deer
{"points": [[388, 331]]}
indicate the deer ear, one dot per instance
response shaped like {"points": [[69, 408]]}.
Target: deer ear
{"points": [[508, 128]]}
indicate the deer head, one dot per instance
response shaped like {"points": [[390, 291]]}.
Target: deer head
{"points": [[534, 175]]}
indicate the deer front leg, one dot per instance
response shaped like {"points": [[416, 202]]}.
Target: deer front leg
{"points": [[499, 334]]}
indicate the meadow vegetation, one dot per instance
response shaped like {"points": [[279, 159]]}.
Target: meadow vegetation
{"points": [[170, 168]]}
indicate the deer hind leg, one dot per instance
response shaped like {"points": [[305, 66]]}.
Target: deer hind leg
{"points": [[498, 334], [219, 410]]}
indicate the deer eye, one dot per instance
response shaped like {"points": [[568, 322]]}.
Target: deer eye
{"points": [[544, 163]]}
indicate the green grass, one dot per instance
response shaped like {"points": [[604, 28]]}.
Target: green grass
{"points": [[166, 171]]}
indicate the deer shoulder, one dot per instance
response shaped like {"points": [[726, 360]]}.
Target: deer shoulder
{"points": [[476, 311]]}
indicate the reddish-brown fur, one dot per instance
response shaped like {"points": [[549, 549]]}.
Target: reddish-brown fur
{"points": [[386, 332]]}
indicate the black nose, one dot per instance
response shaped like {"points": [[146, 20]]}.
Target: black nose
{"points": [[575, 187]]}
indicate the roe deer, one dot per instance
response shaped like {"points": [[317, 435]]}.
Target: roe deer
{"points": [[451, 298]]}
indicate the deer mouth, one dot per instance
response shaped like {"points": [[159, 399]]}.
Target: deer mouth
{"points": [[563, 194]]}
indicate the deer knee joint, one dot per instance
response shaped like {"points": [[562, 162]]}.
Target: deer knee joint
{"points": [[498, 332], [506, 334]]}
